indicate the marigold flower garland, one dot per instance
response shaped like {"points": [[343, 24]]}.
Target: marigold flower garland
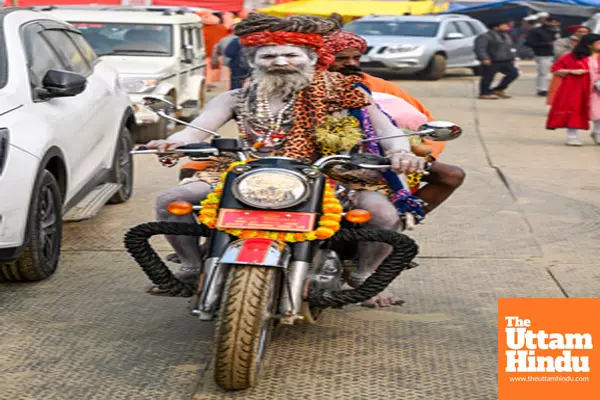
{"points": [[328, 225]]}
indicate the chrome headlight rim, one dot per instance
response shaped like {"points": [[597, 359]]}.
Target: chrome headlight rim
{"points": [[301, 178]]}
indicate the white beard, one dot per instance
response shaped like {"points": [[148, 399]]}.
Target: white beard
{"points": [[282, 84]]}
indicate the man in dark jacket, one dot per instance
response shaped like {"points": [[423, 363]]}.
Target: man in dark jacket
{"points": [[494, 49], [237, 63], [541, 40]]}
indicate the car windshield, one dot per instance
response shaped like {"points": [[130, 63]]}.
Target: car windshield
{"points": [[393, 28], [128, 39]]}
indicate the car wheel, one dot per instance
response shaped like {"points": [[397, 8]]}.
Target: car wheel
{"points": [[40, 256], [436, 68], [161, 130], [122, 169]]}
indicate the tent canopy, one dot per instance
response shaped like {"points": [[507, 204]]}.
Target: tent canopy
{"points": [[350, 10], [517, 10]]}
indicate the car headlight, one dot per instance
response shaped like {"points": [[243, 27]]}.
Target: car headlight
{"points": [[271, 188], [402, 48], [138, 85]]}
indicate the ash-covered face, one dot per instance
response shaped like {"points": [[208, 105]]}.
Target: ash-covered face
{"points": [[282, 70], [282, 59]]}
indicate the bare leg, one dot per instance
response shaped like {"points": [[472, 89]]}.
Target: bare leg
{"points": [[370, 255], [186, 247], [442, 181]]}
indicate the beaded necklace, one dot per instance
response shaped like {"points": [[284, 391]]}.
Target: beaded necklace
{"points": [[260, 129]]}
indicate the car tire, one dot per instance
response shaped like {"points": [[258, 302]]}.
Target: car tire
{"points": [[41, 252], [161, 130], [122, 170], [435, 69]]}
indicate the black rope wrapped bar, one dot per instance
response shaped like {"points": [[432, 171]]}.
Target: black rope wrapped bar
{"points": [[404, 250], [137, 242]]}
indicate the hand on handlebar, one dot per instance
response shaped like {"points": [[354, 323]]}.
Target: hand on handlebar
{"points": [[406, 162], [164, 145]]}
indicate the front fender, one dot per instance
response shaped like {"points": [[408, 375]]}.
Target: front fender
{"points": [[257, 251]]}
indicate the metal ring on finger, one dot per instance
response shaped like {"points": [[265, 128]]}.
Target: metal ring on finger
{"points": [[167, 161]]}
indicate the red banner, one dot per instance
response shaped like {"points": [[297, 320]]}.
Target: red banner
{"points": [[217, 5]]}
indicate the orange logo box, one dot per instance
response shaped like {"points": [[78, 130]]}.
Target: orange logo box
{"points": [[549, 349]]}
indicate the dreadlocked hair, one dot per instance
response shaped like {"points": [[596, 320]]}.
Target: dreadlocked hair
{"points": [[258, 22]]}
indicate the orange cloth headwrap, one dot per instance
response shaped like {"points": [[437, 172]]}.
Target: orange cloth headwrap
{"points": [[310, 40], [344, 40]]}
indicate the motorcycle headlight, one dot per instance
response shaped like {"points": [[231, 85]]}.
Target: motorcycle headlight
{"points": [[272, 188], [138, 85]]}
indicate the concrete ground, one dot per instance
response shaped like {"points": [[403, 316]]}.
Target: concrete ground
{"points": [[525, 224]]}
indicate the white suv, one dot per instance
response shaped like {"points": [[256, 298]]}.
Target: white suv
{"points": [[64, 139], [157, 52]]}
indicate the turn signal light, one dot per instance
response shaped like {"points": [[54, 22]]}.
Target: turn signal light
{"points": [[180, 208], [358, 216]]}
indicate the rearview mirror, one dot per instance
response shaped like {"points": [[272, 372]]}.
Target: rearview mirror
{"points": [[58, 83], [454, 35], [156, 103], [441, 131]]}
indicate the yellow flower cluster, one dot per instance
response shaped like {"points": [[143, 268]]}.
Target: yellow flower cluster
{"points": [[328, 225]]}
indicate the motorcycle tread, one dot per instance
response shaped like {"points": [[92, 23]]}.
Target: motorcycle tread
{"points": [[238, 329]]}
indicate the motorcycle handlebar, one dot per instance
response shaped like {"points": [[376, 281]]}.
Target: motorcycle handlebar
{"points": [[361, 160]]}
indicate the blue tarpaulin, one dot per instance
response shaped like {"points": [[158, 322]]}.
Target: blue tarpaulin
{"points": [[517, 10]]}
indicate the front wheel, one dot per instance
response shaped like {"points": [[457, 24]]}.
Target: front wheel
{"points": [[245, 325], [435, 69], [41, 254]]}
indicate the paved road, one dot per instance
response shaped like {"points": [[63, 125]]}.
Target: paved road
{"points": [[525, 224]]}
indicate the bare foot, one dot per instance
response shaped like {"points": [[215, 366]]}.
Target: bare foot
{"points": [[188, 276], [383, 299]]}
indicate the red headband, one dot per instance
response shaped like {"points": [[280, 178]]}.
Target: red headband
{"points": [[310, 40]]}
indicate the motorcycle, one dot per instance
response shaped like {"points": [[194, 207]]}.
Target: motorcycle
{"points": [[277, 238]]}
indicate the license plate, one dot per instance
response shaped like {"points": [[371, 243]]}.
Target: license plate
{"points": [[266, 220]]}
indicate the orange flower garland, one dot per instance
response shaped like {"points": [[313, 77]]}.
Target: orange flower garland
{"points": [[329, 222]]}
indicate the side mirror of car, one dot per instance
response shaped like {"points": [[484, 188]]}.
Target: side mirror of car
{"points": [[454, 36], [187, 54], [58, 83]]}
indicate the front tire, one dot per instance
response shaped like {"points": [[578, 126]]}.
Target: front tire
{"points": [[245, 325], [436, 68], [40, 256]]}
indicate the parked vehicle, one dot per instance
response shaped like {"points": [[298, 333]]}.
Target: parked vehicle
{"points": [[593, 23], [271, 258], [64, 139], [155, 50], [426, 45]]}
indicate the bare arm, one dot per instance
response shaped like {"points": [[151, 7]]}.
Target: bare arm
{"points": [[398, 149], [216, 114]]}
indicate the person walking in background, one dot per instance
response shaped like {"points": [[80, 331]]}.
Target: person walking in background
{"points": [[577, 100], [237, 63], [541, 40], [218, 59], [562, 47], [567, 44], [494, 49]]}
